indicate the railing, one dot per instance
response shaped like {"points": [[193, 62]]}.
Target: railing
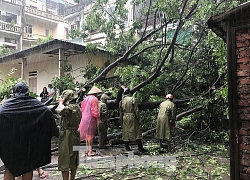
{"points": [[10, 27], [74, 9], [32, 36], [43, 14], [18, 2]]}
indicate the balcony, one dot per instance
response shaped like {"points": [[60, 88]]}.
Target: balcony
{"points": [[10, 27], [17, 2], [74, 9], [43, 14], [28, 36]]}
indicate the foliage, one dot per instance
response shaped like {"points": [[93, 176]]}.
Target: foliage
{"points": [[182, 57], [76, 33], [89, 71], [67, 81], [44, 40], [91, 48], [7, 85], [4, 50]]}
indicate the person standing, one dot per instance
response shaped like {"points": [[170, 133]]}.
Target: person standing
{"points": [[44, 95], [90, 119], [51, 90], [165, 120], [69, 135], [104, 121], [130, 120], [26, 129]]}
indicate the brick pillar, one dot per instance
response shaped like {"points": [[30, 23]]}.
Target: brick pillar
{"points": [[243, 88]]}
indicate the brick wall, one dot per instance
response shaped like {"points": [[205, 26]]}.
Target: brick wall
{"points": [[243, 88]]}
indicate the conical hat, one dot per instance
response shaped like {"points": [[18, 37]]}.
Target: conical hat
{"points": [[94, 90]]}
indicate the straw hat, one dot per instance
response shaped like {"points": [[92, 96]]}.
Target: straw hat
{"points": [[94, 90]]}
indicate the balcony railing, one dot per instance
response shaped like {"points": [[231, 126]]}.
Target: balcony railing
{"points": [[10, 27], [18, 2], [43, 14], [29, 36], [73, 9]]}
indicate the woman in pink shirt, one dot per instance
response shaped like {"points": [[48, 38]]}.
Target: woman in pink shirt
{"points": [[90, 119]]}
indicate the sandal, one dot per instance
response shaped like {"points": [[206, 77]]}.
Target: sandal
{"points": [[91, 154], [42, 175]]}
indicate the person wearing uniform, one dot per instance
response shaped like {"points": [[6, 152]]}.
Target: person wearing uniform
{"points": [[104, 121], [165, 120], [69, 135], [130, 120]]}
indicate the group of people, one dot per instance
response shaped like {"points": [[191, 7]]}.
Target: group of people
{"points": [[27, 126], [46, 93]]}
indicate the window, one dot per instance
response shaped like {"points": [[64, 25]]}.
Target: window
{"points": [[11, 18], [9, 40], [28, 29], [73, 26], [47, 33], [33, 81]]}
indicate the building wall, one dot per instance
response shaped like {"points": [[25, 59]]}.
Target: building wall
{"points": [[39, 27], [243, 81], [43, 68], [41, 5], [6, 69], [79, 61], [46, 69], [60, 31]]}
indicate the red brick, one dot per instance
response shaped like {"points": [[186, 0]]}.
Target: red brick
{"points": [[246, 147], [243, 89], [240, 44], [247, 36], [245, 162], [244, 110], [243, 132], [246, 156], [240, 38], [244, 117], [244, 96], [243, 103], [243, 67], [244, 176], [245, 140], [243, 73], [245, 125], [245, 59], [244, 81]]}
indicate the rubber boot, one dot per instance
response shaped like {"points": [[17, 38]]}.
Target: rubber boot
{"points": [[127, 146], [160, 143], [140, 146], [168, 145]]}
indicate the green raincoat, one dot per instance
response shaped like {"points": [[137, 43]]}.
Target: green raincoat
{"points": [[69, 136], [130, 119], [103, 126], [167, 112]]}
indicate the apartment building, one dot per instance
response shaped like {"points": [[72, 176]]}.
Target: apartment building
{"points": [[76, 16], [22, 22], [40, 20], [10, 24]]}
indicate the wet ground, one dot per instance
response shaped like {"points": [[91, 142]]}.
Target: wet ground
{"points": [[113, 157]]}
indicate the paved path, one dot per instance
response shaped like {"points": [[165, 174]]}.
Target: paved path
{"points": [[114, 158]]}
